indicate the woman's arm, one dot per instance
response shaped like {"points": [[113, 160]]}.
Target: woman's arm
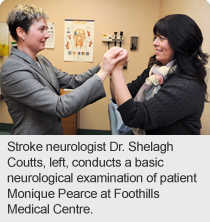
{"points": [[118, 85], [110, 58]]}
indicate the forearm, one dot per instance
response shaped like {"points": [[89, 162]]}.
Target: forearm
{"points": [[112, 89], [73, 81], [120, 88], [91, 91]]}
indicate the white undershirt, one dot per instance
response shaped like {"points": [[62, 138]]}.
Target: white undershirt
{"points": [[39, 65]]}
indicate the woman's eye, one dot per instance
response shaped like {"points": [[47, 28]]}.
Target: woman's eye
{"points": [[42, 29]]}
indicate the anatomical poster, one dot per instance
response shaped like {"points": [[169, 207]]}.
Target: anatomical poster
{"points": [[79, 40]]}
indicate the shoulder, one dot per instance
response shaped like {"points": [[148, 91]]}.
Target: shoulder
{"points": [[182, 87], [11, 64], [15, 68], [180, 82]]}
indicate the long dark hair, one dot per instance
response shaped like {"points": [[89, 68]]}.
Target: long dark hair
{"points": [[185, 38]]}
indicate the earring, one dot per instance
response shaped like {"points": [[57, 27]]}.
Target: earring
{"points": [[23, 39]]}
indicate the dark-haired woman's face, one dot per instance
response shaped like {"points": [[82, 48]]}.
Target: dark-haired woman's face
{"points": [[164, 52]]}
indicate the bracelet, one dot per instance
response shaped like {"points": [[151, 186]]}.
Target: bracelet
{"points": [[98, 78]]}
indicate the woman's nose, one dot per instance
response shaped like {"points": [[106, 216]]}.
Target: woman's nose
{"points": [[46, 35], [156, 41]]}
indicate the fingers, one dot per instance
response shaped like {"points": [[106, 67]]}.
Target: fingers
{"points": [[123, 56], [113, 56], [116, 56], [114, 52]]}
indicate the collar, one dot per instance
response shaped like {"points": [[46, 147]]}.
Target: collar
{"points": [[42, 71]]}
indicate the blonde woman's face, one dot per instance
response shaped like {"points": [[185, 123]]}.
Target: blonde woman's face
{"points": [[36, 36]]}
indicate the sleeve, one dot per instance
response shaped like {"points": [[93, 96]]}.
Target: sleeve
{"points": [[91, 91], [174, 101], [22, 86], [70, 81]]}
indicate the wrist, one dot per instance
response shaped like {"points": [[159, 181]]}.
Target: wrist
{"points": [[98, 78], [117, 73], [101, 75], [118, 68]]}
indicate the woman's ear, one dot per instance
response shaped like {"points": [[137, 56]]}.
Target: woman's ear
{"points": [[20, 33]]}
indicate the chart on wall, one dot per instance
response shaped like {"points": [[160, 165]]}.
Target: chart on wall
{"points": [[79, 40], [50, 43]]}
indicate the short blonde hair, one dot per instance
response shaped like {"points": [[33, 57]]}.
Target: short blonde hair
{"points": [[23, 16]]}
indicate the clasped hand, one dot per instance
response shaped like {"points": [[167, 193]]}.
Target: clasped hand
{"points": [[115, 58]]}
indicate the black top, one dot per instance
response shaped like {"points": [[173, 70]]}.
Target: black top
{"points": [[175, 110]]}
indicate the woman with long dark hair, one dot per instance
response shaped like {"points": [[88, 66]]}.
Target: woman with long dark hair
{"points": [[168, 97]]}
